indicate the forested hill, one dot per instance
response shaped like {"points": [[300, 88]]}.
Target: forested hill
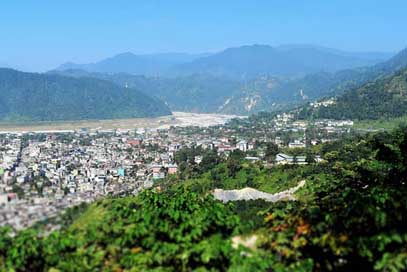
{"points": [[45, 97], [196, 93], [383, 98]]}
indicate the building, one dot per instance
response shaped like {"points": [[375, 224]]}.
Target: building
{"points": [[172, 169], [287, 159], [296, 144]]}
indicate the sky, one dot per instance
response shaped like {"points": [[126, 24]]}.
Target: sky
{"points": [[39, 35]]}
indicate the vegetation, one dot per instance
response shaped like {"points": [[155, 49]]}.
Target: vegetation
{"points": [[382, 99], [203, 93], [350, 215], [381, 124], [27, 97], [186, 232]]}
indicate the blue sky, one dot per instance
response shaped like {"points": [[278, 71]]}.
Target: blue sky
{"points": [[37, 35]]}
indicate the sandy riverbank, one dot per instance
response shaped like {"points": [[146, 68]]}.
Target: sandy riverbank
{"points": [[177, 119]]}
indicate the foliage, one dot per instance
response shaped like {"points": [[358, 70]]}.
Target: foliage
{"points": [[382, 99], [355, 217], [42, 97], [349, 216], [169, 231]]}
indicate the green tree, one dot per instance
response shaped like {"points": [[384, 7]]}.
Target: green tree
{"points": [[271, 151]]}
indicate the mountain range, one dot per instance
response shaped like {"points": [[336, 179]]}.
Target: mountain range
{"points": [[248, 62], [149, 64], [207, 92], [240, 63], [243, 80], [28, 97], [270, 93]]}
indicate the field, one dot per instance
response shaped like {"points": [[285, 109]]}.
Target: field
{"points": [[177, 119], [381, 124]]}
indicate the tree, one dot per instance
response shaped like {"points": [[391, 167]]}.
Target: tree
{"points": [[309, 157], [209, 160], [271, 151]]}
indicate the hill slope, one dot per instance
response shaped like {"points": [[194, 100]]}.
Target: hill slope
{"points": [[272, 93], [195, 93], [44, 97], [385, 97]]}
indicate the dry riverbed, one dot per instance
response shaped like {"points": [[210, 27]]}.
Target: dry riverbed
{"points": [[177, 119]]}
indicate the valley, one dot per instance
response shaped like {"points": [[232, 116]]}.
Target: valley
{"points": [[176, 119], [203, 136]]}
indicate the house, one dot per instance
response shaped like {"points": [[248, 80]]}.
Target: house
{"points": [[287, 159], [155, 168], [158, 175], [172, 169], [121, 172], [296, 144], [252, 159], [141, 173], [198, 159], [3, 199], [242, 146], [134, 142]]}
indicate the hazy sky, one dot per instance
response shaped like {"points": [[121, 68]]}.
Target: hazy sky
{"points": [[41, 34]]}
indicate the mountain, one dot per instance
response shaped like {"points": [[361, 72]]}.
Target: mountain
{"points": [[4, 65], [247, 62], [151, 64], [373, 56], [206, 92], [385, 97], [397, 62], [47, 97], [272, 93], [194, 93], [241, 63]]}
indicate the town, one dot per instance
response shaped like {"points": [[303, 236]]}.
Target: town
{"points": [[42, 174]]}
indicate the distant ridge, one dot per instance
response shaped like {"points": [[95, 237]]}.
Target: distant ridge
{"points": [[251, 61], [244, 62], [148, 64]]}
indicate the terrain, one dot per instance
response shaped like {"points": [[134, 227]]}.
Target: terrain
{"points": [[30, 97], [348, 214], [200, 88], [245, 62], [145, 64], [176, 119], [384, 97]]}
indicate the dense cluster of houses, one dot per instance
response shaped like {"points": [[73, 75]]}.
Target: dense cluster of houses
{"points": [[42, 174]]}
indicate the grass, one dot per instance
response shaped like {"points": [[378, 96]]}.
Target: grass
{"points": [[92, 217], [274, 180], [278, 181], [381, 124]]}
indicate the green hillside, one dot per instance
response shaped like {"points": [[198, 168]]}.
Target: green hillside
{"points": [[26, 97], [384, 98]]}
